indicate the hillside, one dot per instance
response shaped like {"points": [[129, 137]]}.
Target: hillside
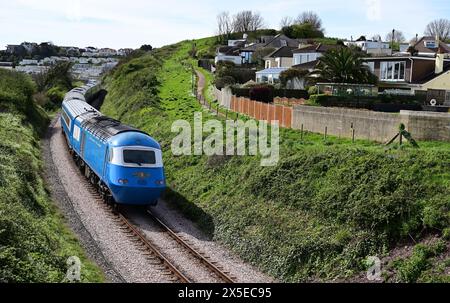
{"points": [[34, 241], [321, 212]]}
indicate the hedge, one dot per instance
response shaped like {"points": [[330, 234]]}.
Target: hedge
{"points": [[382, 103]]}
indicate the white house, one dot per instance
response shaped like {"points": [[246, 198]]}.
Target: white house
{"points": [[309, 53], [229, 54]]}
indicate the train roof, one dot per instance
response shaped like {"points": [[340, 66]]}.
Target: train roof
{"points": [[79, 107], [105, 128]]}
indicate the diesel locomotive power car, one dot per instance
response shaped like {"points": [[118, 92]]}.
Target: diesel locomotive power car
{"points": [[123, 162]]}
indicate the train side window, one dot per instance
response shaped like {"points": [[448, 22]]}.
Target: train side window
{"points": [[66, 118]]}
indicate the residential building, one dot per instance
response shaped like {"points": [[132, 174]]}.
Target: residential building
{"points": [[370, 47], [412, 72], [12, 48], [229, 54], [310, 52], [429, 46], [270, 75], [281, 57]]}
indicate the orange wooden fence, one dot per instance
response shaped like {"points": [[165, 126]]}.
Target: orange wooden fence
{"points": [[263, 111]]}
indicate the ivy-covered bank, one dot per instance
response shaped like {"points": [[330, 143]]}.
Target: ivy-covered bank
{"points": [[34, 241], [320, 212]]}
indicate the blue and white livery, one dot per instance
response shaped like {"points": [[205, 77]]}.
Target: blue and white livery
{"points": [[123, 162]]}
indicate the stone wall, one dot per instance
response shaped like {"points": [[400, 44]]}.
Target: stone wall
{"points": [[369, 125]]}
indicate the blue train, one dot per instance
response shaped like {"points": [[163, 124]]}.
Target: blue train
{"points": [[123, 162]]}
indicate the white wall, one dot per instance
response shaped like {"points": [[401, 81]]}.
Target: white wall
{"points": [[235, 59], [305, 57]]}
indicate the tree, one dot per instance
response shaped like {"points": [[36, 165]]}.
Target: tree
{"points": [[146, 47], [224, 25], [343, 65], [286, 21], [302, 31], [247, 21], [396, 37], [440, 28], [260, 53], [311, 18]]}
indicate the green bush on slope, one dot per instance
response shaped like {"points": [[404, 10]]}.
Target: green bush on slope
{"points": [[315, 216], [34, 243]]}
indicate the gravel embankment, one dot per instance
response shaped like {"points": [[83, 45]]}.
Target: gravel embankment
{"points": [[102, 238], [111, 248]]}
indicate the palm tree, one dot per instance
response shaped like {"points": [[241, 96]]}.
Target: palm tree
{"points": [[343, 65]]}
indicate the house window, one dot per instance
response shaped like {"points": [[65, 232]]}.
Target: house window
{"points": [[393, 71], [268, 64], [430, 44]]}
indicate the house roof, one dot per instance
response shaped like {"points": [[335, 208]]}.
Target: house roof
{"points": [[421, 47], [306, 66], [281, 40], [229, 50], [315, 48], [273, 70], [432, 75], [252, 47], [282, 52]]}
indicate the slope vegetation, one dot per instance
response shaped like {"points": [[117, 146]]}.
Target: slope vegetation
{"points": [[34, 242], [320, 212]]}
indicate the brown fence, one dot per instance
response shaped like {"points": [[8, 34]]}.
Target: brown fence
{"points": [[263, 111]]}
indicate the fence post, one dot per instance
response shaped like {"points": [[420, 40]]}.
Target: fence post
{"points": [[218, 109], [353, 135], [326, 132], [226, 114], [301, 133]]}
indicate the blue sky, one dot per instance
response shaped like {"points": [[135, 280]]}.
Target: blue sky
{"points": [[118, 23]]}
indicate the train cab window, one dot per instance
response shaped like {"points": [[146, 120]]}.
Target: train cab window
{"points": [[139, 157], [111, 154]]}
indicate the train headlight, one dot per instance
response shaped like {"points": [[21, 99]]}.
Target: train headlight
{"points": [[160, 182], [123, 181]]}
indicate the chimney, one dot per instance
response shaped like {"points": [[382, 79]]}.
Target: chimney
{"points": [[439, 61]]}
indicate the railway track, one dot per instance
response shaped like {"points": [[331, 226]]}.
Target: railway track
{"points": [[151, 251]]}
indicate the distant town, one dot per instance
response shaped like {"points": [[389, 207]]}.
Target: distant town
{"points": [[34, 58]]}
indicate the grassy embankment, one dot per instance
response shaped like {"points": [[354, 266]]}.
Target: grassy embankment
{"points": [[315, 216], [34, 241]]}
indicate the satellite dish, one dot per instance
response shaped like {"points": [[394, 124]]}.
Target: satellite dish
{"points": [[433, 102]]}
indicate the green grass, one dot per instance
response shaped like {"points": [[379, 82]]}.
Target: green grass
{"points": [[315, 216], [34, 240]]}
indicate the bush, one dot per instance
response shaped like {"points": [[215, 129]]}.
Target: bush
{"points": [[262, 94], [381, 103], [224, 82], [313, 90], [56, 95]]}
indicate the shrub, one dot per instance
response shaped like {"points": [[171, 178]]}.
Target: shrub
{"points": [[56, 95], [313, 90], [224, 82], [262, 94]]}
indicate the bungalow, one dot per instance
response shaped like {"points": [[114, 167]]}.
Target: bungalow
{"points": [[281, 57], [429, 46], [370, 47], [412, 72], [275, 42], [229, 54], [310, 52]]}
